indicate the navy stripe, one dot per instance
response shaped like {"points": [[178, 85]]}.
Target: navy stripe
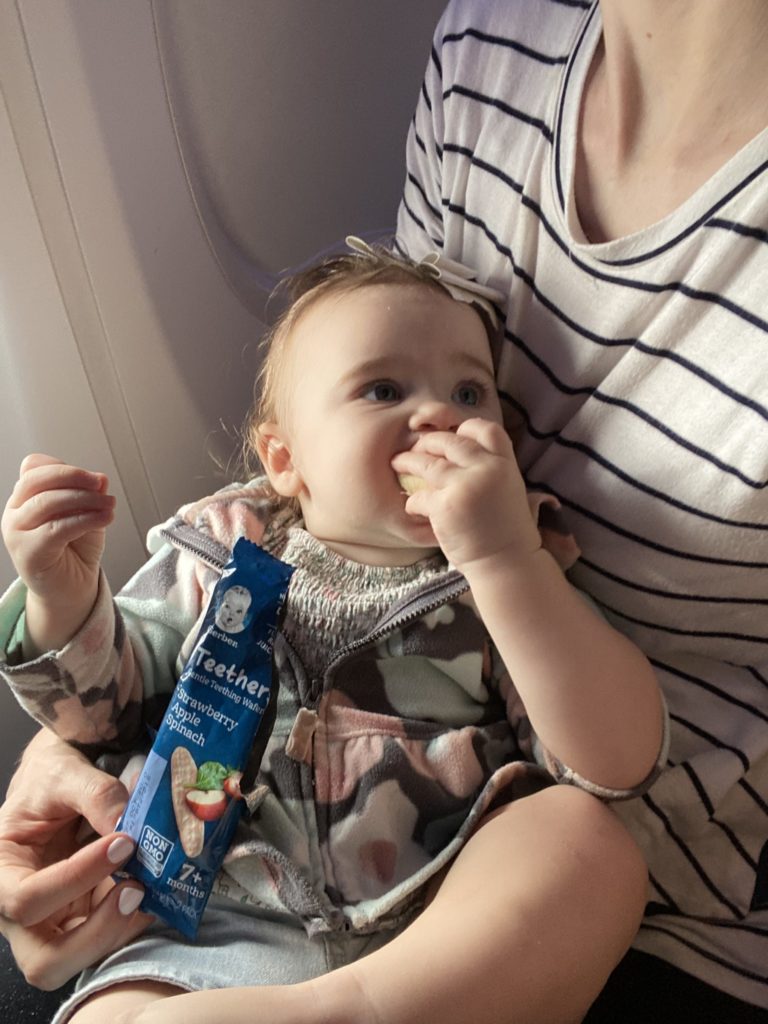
{"points": [[734, 839], [425, 95], [419, 223], [751, 791], [583, 4], [540, 485], [561, 107], [418, 139], [695, 225], [692, 860], [435, 56], [556, 436], [605, 342], [694, 449], [689, 229], [636, 343], [704, 797], [739, 229], [546, 369], [722, 694], [505, 108], [436, 213], [717, 743], [671, 905], [756, 675], [673, 286], [652, 491], [742, 971], [697, 785], [701, 633], [511, 44], [734, 926], [669, 594]]}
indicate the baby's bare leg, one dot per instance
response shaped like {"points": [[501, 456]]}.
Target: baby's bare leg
{"points": [[524, 929], [527, 925], [104, 1006]]}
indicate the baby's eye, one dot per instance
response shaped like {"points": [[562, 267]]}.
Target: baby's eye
{"points": [[382, 391], [468, 394]]}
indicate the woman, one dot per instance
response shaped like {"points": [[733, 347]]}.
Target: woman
{"points": [[605, 164]]}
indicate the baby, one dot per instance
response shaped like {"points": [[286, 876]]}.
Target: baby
{"points": [[406, 855], [233, 609]]}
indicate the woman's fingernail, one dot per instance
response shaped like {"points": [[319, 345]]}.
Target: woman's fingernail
{"points": [[129, 900], [119, 849]]}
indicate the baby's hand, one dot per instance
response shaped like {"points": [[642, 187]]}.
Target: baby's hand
{"points": [[54, 528], [473, 493]]}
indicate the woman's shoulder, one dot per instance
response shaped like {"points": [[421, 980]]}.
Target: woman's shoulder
{"points": [[512, 22]]}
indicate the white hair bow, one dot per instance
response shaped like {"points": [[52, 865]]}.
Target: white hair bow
{"points": [[457, 279]]}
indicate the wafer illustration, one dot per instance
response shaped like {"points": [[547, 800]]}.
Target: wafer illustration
{"points": [[183, 778]]}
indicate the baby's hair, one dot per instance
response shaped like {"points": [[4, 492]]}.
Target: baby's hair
{"points": [[335, 275]]}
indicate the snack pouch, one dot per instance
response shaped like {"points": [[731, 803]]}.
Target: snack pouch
{"points": [[186, 804]]}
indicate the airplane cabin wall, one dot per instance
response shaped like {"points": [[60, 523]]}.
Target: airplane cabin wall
{"points": [[161, 163]]}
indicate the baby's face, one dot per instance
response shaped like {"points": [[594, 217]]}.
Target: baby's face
{"points": [[232, 610], [369, 372]]}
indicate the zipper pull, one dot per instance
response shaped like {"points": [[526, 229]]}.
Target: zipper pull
{"points": [[299, 744]]}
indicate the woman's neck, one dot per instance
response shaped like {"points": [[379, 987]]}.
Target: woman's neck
{"points": [[676, 88]]}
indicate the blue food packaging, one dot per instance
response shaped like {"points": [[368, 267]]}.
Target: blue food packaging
{"points": [[187, 802]]}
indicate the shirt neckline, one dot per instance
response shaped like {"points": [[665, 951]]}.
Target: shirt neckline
{"points": [[736, 174]]}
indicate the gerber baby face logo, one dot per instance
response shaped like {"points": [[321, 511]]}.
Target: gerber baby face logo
{"points": [[232, 610]]}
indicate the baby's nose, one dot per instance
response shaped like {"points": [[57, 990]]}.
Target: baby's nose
{"points": [[433, 415]]}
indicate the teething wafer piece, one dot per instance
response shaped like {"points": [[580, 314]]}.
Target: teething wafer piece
{"points": [[183, 778], [411, 483]]}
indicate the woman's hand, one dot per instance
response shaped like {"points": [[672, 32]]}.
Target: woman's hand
{"points": [[60, 909]]}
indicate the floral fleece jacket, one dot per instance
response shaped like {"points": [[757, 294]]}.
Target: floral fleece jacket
{"points": [[374, 775]]}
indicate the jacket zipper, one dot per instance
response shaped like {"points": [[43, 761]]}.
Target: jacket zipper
{"points": [[200, 550], [427, 601], [434, 595]]}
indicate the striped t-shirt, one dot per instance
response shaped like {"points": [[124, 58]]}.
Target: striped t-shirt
{"points": [[635, 378]]}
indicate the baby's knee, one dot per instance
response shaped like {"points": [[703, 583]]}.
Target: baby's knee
{"points": [[584, 837], [605, 855]]}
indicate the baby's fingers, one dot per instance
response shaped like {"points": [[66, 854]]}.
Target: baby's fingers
{"points": [[36, 459], [473, 439], [40, 473], [488, 435], [66, 514]]}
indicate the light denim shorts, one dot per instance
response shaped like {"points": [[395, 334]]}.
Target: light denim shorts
{"points": [[236, 945]]}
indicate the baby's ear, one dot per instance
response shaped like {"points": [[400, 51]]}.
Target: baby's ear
{"points": [[275, 455]]}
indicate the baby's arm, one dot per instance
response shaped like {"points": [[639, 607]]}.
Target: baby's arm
{"points": [[94, 665], [54, 527], [590, 694]]}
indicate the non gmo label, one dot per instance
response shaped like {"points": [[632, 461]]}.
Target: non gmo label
{"points": [[153, 850]]}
